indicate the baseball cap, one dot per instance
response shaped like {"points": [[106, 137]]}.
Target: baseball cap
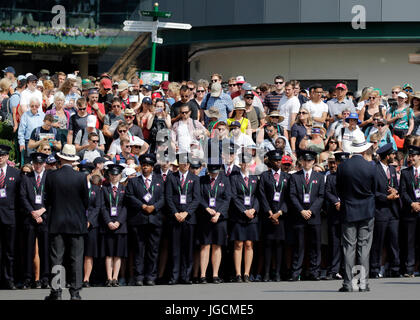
{"points": [[31, 78], [240, 79], [156, 95], [341, 85], [99, 160], [407, 85], [246, 86], [147, 100], [164, 85], [248, 93], [402, 95], [286, 159], [9, 69], [147, 87], [216, 89], [91, 121], [21, 78], [106, 83], [51, 159], [136, 141]]}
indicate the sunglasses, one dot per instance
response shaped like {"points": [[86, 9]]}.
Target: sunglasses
{"points": [[381, 125], [191, 88], [233, 85], [335, 142], [302, 113], [46, 149], [408, 90], [95, 141], [135, 146], [122, 131], [200, 91], [395, 92], [249, 97], [116, 106], [185, 97], [372, 98], [127, 146], [34, 105], [375, 119], [184, 112], [213, 80], [279, 82], [128, 117], [82, 109]]}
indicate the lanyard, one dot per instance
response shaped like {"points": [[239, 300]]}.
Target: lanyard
{"points": [[215, 194], [42, 189], [310, 188], [116, 200], [250, 190], [153, 188], [186, 189], [281, 188], [414, 188]]}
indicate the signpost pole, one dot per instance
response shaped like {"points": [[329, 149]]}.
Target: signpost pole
{"points": [[152, 62]]}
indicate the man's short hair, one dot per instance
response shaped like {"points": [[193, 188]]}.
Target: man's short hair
{"points": [[290, 83], [122, 125], [184, 105], [217, 75], [124, 140], [81, 102], [278, 78], [49, 117], [116, 99], [184, 88], [91, 135], [315, 86]]}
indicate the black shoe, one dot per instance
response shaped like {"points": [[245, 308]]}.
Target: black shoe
{"points": [[196, 280], [409, 275], [345, 289], [186, 281], [394, 274], [237, 279], [328, 277], [172, 282], [266, 277], [115, 283], [75, 296], [26, 285], [150, 283], [217, 280], [53, 296], [139, 283], [277, 277], [45, 284], [257, 278], [367, 289], [86, 284], [374, 275], [294, 278], [108, 283], [36, 285], [314, 278], [11, 285], [202, 280], [246, 278]]}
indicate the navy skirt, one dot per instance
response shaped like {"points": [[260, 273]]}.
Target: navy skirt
{"points": [[244, 232], [114, 245], [91, 243], [212, 233]]}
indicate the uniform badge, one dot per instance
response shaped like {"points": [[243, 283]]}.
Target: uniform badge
{"points": [[221, 185], [252, 181], [315, 181], [11, 179], [93, 192], [158, 184]]}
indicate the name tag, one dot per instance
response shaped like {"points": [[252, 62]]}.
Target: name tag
{"points": [[114, 212], [183, 199], [3, 193], [306, 198], [276, 196], [247, 200], [147, 197], [212, 202], [417, 192], [38, 199]]}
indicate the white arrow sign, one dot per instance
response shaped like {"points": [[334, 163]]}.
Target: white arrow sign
{"points": [[138, 29], [173, 25]]}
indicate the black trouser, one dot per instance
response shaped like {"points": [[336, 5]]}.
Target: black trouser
{"points": [[7, 239], [59, 243], [182, 247], [146, 239], [334, 248], [380, 229], [314, 244], [408, 245], [32, 232], [269, 246]]}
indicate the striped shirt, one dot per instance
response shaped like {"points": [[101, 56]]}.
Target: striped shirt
{"points": [[272, 100]]}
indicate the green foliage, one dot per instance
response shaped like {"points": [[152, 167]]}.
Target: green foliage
{"points": [[12, 154], [6, 131]]}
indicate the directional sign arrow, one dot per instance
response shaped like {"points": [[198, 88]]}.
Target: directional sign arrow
{"points": [[173, 25], [162, 14], [139, 23], [138, 29]]}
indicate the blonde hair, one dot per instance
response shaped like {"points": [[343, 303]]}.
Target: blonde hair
{"points": [[174, 87], [366, 93], [309, 121], [5, 84]]}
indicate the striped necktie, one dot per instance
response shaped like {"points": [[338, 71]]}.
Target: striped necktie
{"points": [[307, 178], [2, 178], [246, 181], [38, 181], [114, 191]]}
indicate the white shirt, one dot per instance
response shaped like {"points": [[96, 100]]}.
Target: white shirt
{"points": [[286, 108], [316, 110], [227, 168], [184, 137], [114, 185], [348, 136], [385, 167], [414, 171], [26, 96], [39, 174], [149, 179]]}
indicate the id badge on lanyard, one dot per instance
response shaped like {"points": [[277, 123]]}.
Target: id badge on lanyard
{"points": [[38, 199], [147, 197], [306, 198], [417, 193], [183, 199], [3, 193], [212, 202], [247, 200], [276, 196], [114, 211]]}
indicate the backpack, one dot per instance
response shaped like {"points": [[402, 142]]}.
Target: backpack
{"points": [[7, 111], [207, 101], [38, 131]]}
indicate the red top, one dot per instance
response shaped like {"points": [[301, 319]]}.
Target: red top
{"points": [[90, 110]]}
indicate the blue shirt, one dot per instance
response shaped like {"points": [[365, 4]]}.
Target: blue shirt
{"points": [[14, 100], [223, 103], [28, 123]]}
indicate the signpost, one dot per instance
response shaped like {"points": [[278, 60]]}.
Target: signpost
{"points": [[153, 26]]}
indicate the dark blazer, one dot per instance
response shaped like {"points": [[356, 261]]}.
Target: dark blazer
{"points": [[297, 182], [67, 198], [8, 204], [238, 186], [267, 189], [385, 209], [356, 187], [157, 170], [135, 191], [331, 198], [221, 191], [27, 198], [95, 204], [235, 170], [407, 195], [173, 184], [106, 209]]}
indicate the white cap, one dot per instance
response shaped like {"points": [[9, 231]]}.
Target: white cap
{"points": [[240, 79], [136, 141], [108, 163], [126, 173], [28, 74], [402, 95], [71, 76], [40, 84], [91, 121]]}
